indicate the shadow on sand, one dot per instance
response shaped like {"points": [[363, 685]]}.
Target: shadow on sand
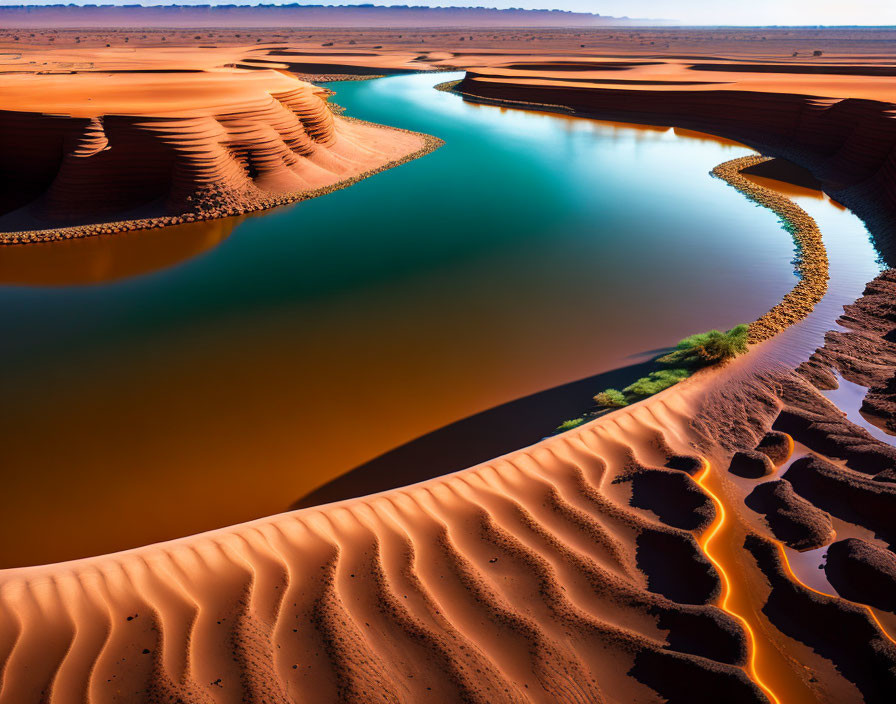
{"points": [[474, 439]]}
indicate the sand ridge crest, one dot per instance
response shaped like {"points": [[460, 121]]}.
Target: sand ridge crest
{"points": [[406, 578], [238, 141]]}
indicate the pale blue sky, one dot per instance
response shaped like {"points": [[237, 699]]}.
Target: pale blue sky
{"points": [[799, 12]]}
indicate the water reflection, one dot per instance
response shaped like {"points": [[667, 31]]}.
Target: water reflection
{"points": [[788, 189], [105, 258]]}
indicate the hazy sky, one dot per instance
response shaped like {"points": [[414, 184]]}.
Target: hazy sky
{"points": [[804, 12]]}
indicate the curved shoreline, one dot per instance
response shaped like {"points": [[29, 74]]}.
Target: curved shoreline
{"points": [[430, 144], [812, 261], [812, 258], [452, 87]]}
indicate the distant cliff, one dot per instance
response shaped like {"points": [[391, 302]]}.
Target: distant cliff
{"points": [[61, 16]]}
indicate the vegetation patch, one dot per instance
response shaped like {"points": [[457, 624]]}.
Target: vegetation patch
{"points": [[716, 347], [707, 348], [692, 353], [655, 382], [570, 424], [611, 398]]}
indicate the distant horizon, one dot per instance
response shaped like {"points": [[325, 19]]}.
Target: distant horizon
{"points": [[293, 15], [706, 13]]}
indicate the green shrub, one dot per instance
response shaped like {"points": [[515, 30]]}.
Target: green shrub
{"points": [[570, 424], [610, 398], [655, 382], [707, 348], [692, 353]]}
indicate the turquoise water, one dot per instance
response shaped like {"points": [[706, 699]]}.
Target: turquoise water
{"points": [[531, 250]]}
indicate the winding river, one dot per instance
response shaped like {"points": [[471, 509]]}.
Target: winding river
{"points": [[162, 383]]}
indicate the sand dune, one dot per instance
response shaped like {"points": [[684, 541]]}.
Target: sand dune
{"points": [[568, 571], [91, 153], [521, 580]]}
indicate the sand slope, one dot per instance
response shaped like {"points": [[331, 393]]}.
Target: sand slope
{"points": [[520, 580], [171, 147], [576, 570]]}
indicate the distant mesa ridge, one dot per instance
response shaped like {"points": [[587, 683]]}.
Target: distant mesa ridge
{"points": [[367, 15]]}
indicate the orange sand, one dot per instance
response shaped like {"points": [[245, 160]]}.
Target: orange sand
{"points": [[144, 144]]}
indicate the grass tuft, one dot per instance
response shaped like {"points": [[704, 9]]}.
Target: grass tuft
{"points": [[655, 382], [569, 424], [692, 353], [689, 355], [707, 348], [611, 398]]}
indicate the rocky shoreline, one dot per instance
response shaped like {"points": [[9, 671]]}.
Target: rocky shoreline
{"points": [[207, 209], [812, 258]]}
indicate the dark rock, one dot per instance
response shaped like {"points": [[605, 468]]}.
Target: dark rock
{"points": [[777, 446], [848, 495], [831, 434], [706, 632], [835, 629], [685, 463], [880, 404], [751, 464], [792, 519], [818, 373], [680, 678], [888, 475], [675, 566], [673, 496], [863, 572]]}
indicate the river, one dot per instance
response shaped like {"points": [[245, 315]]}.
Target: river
{"points": [[162, 383]]}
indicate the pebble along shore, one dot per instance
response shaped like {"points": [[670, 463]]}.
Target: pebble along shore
{"points": [[812, 258], [210, 208]]}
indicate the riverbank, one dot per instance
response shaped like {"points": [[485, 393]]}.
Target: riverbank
{"points": [[210, 145], [811, 259], [812, 269], [816, 116], [201, 214]]}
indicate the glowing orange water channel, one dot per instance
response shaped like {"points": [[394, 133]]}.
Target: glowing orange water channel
{"points": [[796, 579], [722, 543], [737, 610]]}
